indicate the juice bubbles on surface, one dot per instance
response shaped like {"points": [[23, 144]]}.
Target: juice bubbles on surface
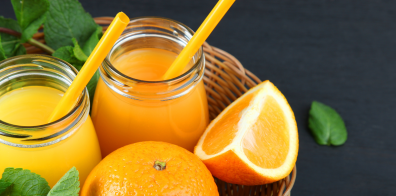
{"points": [[26, 102], [131, 102]]}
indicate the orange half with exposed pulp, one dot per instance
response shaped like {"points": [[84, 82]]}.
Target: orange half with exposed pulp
{"points": [[254, 140]]}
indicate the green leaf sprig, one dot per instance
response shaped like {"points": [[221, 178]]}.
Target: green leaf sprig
{"points": [[71, 34], [30, 15], [25, 182], [10, 38], [20, 182], [5, 187], [68, 185], [326, 125]]}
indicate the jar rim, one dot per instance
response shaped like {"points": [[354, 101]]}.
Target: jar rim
{"points": [[76, 107], [185, 74]]}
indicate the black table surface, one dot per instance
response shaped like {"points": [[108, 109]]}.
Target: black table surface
{"points": [[341, 53]]}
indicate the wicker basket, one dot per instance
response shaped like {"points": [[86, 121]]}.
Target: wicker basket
{"points": [[225, 80]]}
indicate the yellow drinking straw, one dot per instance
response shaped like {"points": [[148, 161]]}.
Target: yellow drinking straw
{"points": [[198, 39], [101, 50]]}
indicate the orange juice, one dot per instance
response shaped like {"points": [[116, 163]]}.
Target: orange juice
{"points": [[132, 104], [27, 142], [148, 64], [29, 106]]}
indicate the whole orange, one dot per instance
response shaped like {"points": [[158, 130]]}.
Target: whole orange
{"points": [[150, 168]]}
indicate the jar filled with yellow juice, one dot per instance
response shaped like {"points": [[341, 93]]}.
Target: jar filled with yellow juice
{"points": [[30, 88], [132, 103]]}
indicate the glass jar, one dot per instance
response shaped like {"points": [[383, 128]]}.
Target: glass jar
{"points": [[128, 110], [49, 150]]}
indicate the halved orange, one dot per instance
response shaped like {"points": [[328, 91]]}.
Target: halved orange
{"points": [[254, 140]]}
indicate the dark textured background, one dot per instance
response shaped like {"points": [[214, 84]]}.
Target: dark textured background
{"points": [[342, 53]]}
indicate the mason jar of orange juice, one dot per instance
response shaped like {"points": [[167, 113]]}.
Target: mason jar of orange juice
{"points": [[30, 88], [132, 103]]}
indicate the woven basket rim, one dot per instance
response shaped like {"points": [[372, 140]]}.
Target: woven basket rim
{"points": [[222, 70]]}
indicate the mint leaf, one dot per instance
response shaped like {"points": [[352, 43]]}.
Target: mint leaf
{"points": [[5, 188], [20, 50], [92, 41], [69, 25], [326, 125], [78, 53], [66, 53], [68, 185], [11, 44], [25, 183], [2, 53], [67, 19], [30, 15]]}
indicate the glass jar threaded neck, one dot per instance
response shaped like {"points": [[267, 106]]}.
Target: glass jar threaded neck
{"points": [[159, 33], [46, 71]]}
